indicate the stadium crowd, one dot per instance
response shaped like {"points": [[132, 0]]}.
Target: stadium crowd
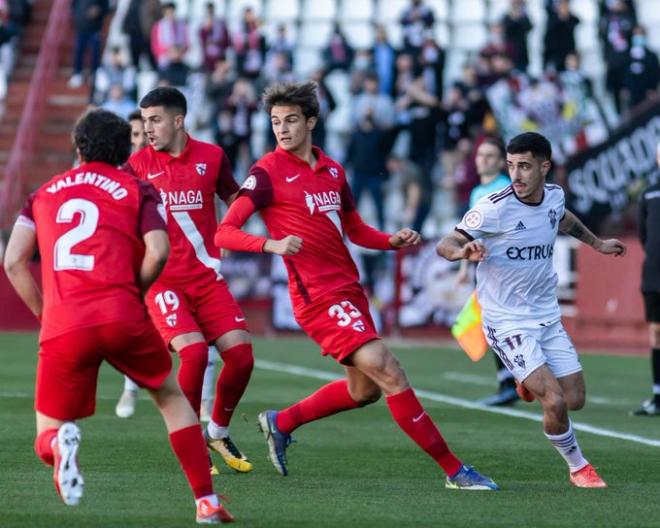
{"points": [[424, 127]]}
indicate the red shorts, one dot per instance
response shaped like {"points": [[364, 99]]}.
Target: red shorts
{"points": [[340, 322], [69, 363], [208, 308]]}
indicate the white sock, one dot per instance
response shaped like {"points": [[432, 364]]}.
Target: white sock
{"points": [[208, 388], [130, 385], [567, 446], [217, 431], [213, 499]]}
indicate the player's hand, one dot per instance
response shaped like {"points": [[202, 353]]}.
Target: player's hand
{"points": [[404, 238], [611, 246], [474, 251], [289, 245]]}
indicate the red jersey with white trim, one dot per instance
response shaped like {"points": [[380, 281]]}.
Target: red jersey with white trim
{"points": [[313, 203], [187, 185], [89, 223]]}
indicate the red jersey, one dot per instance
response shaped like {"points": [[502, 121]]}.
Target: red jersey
{"points": [[89, 223], [187, 185], [315, 204]]}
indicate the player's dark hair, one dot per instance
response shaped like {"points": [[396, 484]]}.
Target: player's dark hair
{"points": [[497, 143], [167, 97], [134, 116], [532, 142], [100, 135], [292, 94]]}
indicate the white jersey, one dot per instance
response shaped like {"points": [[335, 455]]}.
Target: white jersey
{"points": [[516, 283]]}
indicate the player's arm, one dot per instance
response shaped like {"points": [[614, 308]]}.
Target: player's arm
{"points": [[20, 249], [457, 246], [157, 249], [571, 225]]}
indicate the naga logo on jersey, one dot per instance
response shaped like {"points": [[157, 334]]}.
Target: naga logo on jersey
{"points": [[182, 200], [473, 219], [552, 215], [201, 168], [324, 201], [333, 172], [250, 183], [530, 252]]}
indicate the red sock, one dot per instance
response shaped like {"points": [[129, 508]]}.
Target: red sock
{"points": [[43, 446], [329, 399], [189, 447], [233, 378], [412, 418], [194, 359]]}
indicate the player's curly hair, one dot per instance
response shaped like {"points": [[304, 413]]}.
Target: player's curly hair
{"points": [[532, 142], [292, 94], [100, 135]]}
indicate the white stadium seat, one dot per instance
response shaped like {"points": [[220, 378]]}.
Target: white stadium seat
{"points": [[440, 8], [305, 61], [585, 10], [315, 10], [315, 34], [468, 11], [469, 37], [586, 36], [356, 10], [390, 10], [281, 10], [235, 8], [360, 35]]}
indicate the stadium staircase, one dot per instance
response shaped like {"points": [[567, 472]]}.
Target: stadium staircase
{"points": [[40, 107]]}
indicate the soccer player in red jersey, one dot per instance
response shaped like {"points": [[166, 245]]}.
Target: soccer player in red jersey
{"points": [[307, 206], [190, 302], [103, 241]]}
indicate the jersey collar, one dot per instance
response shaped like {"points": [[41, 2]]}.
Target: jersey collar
{"points": [[321, 158], [166, 157]]}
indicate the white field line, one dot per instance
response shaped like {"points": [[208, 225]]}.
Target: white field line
{"points": [[458, 402]]}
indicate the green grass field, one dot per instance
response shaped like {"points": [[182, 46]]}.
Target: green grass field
{"points": [[354, 469]]}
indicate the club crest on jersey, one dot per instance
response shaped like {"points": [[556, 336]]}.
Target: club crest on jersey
{"points": [[552, 215], [333, 172], [182, 200], [171, 320], [358, 326], [325, 201], [201, 168], [473, 219]]}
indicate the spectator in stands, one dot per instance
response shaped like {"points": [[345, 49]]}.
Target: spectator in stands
{"points": [[409, 176], [249, 46], [497, 42], [516, 27], [281, 44], [384, 58], [403, 77], [642, 73], [362, 65], [167, 33], [422, 107], [367, 152], [220, 83], [175, 72], [616, 31], [559, 38], [278, 69], [118, 102], [465, 177], [372, 101], [214, 36], [223, 132], [327, 105], [141, 15], [240, 105], [649, 235], [432, 61], [415, 21], [115, 72], [338, 54], [455, 117], [88, 16]]}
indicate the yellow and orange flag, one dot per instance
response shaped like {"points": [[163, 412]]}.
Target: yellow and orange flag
{"points": [[467, 329]]}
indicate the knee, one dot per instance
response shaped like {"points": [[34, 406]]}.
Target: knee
{"points": [[239, 357], [554, 404], [575, 401], [195, 354]]}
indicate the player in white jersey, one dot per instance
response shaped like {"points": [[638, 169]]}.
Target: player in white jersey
{"points": [[511, 234]]}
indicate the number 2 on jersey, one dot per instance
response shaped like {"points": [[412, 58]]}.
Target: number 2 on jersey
{"points": [[64, 259]]}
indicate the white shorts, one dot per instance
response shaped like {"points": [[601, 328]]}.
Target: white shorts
{"points": [[524, 350]]}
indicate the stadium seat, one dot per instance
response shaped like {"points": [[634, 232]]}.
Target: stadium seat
{"points": [[360, 35], [269, 30], [585, 10], [648, 13], [586, 37], [440, 8], [235, 8], [497, 9], [442, 34], [352, 11], [394, 34], [469, 36], [468, 11], [281, 10], [315, 34], [390, 10], [455, 61], [305, 61], [315, 10]]}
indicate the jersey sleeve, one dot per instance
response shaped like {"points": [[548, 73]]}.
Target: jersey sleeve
{"points": [[26, 216], [225, 184], [481, 221], [152, 211], [347, 200], [258, 188]]}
